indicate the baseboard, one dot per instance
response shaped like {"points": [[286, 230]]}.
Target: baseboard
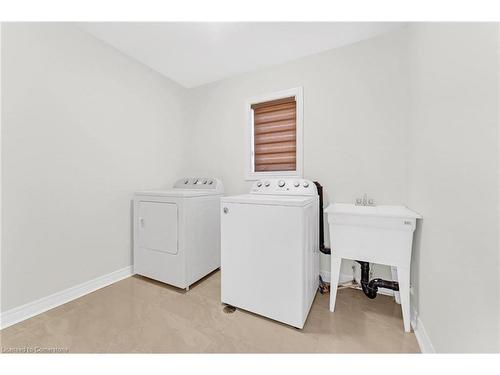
{"points": [[423, 339], [326, 276], [344, 278], [424, 342], [31, 309], [18, 314]]}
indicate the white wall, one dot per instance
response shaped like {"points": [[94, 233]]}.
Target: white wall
{"points": [[82, 128], [453, 141], [355, 108], [498, 186]]}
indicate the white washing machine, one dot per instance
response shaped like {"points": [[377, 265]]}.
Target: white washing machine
{"points": [[270, 249], [177, 231]]}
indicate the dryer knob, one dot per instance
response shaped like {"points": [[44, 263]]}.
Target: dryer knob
{"points": [[306, 184], [267, 183], [259, 184], [281, 183], [195, 182], [205, 182], [210, 182], [185, 182], [296, 184]]}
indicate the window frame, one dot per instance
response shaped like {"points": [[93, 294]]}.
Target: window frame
{"points": [[250, 174]]}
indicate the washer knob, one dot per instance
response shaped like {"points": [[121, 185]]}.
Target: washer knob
{"points": [[185, 182], [259, 184], [210, 182], [306, 184], [205, 182], [281, 183], [195, 181], [267, 183], [296, 184]]}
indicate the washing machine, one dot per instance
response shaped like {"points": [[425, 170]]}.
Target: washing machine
{"points": [[270, 249], [177, 231]]}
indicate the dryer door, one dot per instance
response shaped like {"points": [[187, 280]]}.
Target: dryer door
{"points": [[158, 228]]}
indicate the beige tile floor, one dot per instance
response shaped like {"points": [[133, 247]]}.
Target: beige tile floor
{"points": [[141, 315]]}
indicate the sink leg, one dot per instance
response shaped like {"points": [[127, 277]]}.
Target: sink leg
{"points": [[404, 292], [334, 282], [394, 273]]}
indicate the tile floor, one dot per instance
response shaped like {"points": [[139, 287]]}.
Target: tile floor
{"points": [[144, 316]]}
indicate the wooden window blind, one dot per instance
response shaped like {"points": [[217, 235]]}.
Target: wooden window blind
{"points": [[275, 135]]}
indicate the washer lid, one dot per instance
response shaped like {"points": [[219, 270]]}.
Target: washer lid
{"points": [[179, 193], [271, 200]]}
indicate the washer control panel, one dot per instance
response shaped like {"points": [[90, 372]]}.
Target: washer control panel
{"points": [[199, 183], [284, 186]]}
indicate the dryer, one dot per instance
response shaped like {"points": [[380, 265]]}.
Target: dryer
{"points": [[177, 231], [270, 249]]}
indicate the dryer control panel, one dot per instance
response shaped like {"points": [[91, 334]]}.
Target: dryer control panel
{"points": [[199, 183], [284, 186]]}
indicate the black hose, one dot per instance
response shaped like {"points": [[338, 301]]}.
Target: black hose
{"points": [[322, 247]]}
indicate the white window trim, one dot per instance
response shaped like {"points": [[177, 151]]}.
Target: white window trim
{"points": [[250, 174]]}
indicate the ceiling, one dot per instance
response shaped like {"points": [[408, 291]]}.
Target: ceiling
{"points": [[195, 53]]}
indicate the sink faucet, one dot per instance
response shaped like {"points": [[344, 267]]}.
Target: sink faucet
{"points": [[365, 201]]}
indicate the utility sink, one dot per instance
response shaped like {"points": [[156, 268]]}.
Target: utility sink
{"points": [[375, 234]]}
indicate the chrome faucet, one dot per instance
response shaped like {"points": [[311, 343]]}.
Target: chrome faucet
{"points": [[365, 201]]}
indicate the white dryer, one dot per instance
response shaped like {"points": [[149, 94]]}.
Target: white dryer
{"points": [[270, 249], [177, 231]]}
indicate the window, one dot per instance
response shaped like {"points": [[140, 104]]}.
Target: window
{"points": [[274, 139]]}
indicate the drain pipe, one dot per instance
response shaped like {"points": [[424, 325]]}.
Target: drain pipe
{"points": [[370, 287], [322, 247]]}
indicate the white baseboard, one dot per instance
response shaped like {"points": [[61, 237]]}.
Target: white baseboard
{"points": [[423, 339], [31, 309], [424, 342], [326, 276], [344, 278]]}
